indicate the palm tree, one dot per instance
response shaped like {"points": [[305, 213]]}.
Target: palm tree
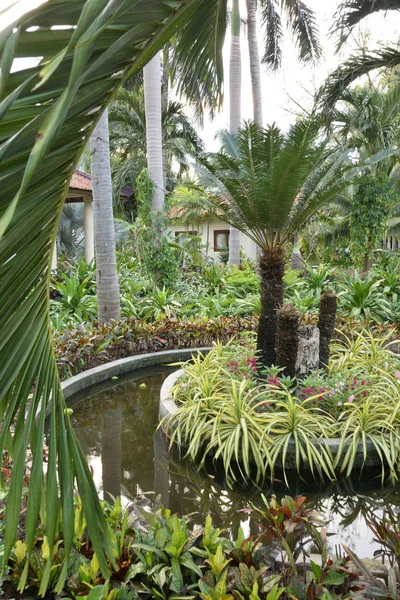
{"points": [[301, 21], [128, 138], [350, 13], [365, 117], [193, 205], [152, 98], [108, 298], [235, 105], [255, 64], [47, 114], [269, 185]]}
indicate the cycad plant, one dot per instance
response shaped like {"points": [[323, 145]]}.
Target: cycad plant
{"points": [[268, 185], [47, 113]]}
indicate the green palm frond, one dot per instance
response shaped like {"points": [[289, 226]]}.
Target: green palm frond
{"points": [[301, 22], [351, 12], [273, 34], [353, 68], [47, 113], [271, 183], [197, 65]]}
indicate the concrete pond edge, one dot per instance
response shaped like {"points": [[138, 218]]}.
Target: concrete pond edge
{"points": [[123, 366]]}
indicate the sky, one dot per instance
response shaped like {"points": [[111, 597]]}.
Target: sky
{"points": [[295, 83], [293, 86]]}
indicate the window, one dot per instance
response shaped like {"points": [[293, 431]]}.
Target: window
{"points": [[180, 236], [221, 239]]}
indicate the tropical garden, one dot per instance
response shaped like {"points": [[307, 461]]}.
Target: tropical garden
{"points": [[123, 90]]}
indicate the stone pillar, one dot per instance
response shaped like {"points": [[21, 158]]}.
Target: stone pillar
{"points": [[54, 258], [88, 229], [308, 350]]}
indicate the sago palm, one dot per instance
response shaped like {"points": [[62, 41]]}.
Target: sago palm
{"points": [[47, 113], [268, 185]]}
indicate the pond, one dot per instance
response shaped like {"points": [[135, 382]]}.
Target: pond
{"points": [[116, 424]]}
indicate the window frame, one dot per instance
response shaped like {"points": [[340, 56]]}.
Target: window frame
{"points": [[218, 232]]}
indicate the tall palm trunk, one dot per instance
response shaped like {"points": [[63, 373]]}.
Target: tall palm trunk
{"points": [[255, 70], [108, 296], [235, 90], [272, 268], [164, 101], [152, 97]]}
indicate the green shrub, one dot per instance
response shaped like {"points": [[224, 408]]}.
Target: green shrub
{"points": [[244, 281], [161, 555]]}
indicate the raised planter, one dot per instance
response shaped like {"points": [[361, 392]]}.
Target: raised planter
{"points": [[168, 407]]}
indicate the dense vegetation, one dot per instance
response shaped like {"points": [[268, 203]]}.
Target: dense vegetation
{"points": [[325, 190]]}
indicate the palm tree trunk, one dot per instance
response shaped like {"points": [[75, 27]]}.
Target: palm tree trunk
{"points": [[235, 90], [108, 296], [272, 268], [255, 70], [152, 96], [164, 102]]}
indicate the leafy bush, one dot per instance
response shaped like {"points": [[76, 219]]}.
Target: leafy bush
{"points": [[245, 281], [160, 555], [88, 346], [363, 298]]}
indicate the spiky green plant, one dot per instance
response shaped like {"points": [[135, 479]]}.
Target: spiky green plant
{"points": [[239, 434], [307, 428], [371, 423], [268, 184], [360, 350]]}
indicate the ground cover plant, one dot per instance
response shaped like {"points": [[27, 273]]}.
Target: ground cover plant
{"points": [[212, 291], [224, 410], [162, 555]]}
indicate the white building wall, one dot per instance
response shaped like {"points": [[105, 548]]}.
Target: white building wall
{"points": [[246, 243]]}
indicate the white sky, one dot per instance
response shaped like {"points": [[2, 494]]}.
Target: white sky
{"points": [[294, 81]]}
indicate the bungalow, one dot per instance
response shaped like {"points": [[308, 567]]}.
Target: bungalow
{"points": [[213, 231]]}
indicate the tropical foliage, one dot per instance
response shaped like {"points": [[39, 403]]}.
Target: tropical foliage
{"points": [[47, 114], [269, 184], [224, 411], [161, 555]]}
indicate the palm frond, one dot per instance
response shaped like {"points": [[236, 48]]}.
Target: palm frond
{"points": [[273, 34], [353, 68], [197, 65], [301, 22], [351, 12], [47, 113], [303, 25]]}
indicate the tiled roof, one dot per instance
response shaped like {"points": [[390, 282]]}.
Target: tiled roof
{"points": [[83, 182]]}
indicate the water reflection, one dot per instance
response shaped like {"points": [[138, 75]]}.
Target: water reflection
{"points": [[116, 426]]}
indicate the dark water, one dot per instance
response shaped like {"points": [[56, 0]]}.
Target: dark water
{"points": [[116, 426]]}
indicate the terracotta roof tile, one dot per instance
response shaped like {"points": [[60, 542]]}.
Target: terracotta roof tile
{"points": [[83, 182]]}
